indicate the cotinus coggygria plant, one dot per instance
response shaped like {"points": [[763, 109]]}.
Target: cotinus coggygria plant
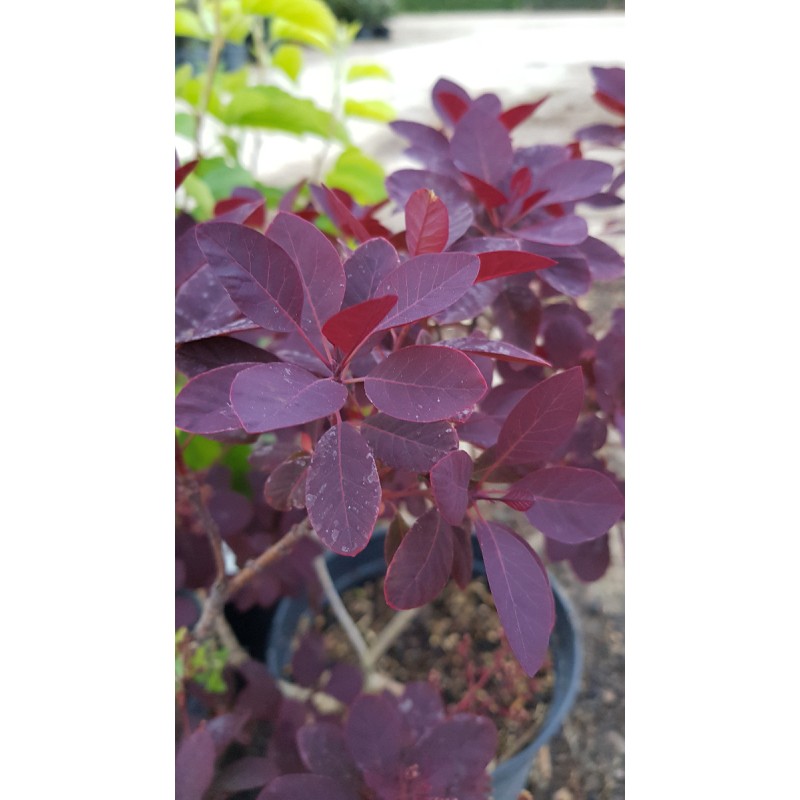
{"points": [[358, 363]]}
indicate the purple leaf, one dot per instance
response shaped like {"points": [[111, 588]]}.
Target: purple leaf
{"points": [[350, 327], [323, 748], [450, 101], [343, 491], [449, 483], [345, 682], [318, 265], [307, 787], [570, 505], [427, 223], [565, 337], [573, 180], [502, 351], [250, 772], [542, 420], [408, 445], [456, 752], [609, 135], [422, 707], [500, 263], [367, 269], [227, 728], [194, 765], [423, 383], [203, 308], [375, 734], [481, 146], [204, 404], [422, 564], [188, 256], [474, 300], [605, 263], [194, 358], [427, 284], [570, 276], [487, 194], [260, 277], [589, 560], [610, 85], [308, 661], [285, 488], [260, 698], [341, 215], [462, 557], [266, 397], [521, 591], [566, 230]]}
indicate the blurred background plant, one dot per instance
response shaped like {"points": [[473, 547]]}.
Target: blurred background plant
{"points": [[238, 66]]}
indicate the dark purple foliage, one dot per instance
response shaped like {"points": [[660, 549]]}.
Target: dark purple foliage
{"points": [[422, 564]]}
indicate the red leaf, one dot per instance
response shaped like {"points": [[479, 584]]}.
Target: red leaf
{"points": [[452, 104], [427, 223], [351, 326], [499, 263], [422, 564], [487, 194], [182, 172], [514, 116], [609, 102]]}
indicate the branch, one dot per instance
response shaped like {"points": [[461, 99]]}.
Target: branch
{"points": [[223, 590], [337, 606], [386, 638]]}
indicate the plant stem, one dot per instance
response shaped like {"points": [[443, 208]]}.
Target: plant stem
{"points": [[341, 613], [389, 634], [217, 43], [223, 590]]}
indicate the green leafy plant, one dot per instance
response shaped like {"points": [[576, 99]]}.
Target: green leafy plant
{"points": [[253, 101]]}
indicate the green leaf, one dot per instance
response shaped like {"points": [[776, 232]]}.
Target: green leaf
{"points": [[201, 453], [231, 146], [313, 15], [198, 190], [359, 176], [369, 109], [232, 81], [271, 107], [185, 125], [221, 178], [187, 23], [182, 76], [282, 30], [358, 72], [236, 460], [289, 59], [272, 194], [236, 29]]}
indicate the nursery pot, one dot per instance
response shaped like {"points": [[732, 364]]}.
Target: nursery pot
{"points": [[510, 776]]}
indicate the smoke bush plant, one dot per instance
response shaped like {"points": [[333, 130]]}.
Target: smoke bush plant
{"points": [[364, 370]]}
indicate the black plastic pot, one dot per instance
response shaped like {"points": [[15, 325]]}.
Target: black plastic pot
{"points": [[510, 776]]}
